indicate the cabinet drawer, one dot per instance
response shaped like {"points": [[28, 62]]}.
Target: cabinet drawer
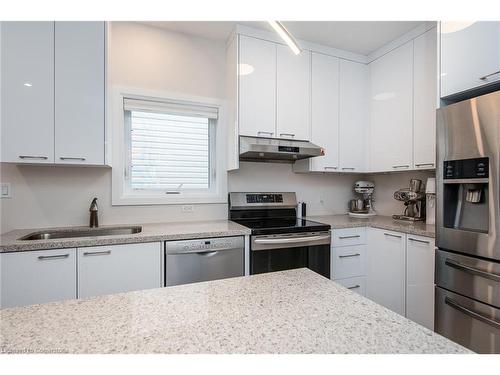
{"points": [[348, 261], [349, 236], [31, 277], [356, 284]]}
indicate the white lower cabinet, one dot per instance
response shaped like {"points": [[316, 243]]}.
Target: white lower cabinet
{"points": [[420, 255], [386, 268], [119, 268], [31, 277], [393, 269]]}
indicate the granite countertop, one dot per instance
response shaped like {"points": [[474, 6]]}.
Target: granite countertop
{"points": [[10, 242], [382, 222], [295, 311]]}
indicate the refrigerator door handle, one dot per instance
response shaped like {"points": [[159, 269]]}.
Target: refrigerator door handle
{"points": [[472, 270], [473, 314]]}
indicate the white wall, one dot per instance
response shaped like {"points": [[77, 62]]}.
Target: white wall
{"points": [[324, 193], [387, 183]]}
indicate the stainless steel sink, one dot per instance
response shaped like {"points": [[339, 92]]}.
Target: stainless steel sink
{"points": [[72, 233]]}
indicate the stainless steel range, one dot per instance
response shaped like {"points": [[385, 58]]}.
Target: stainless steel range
{"points": [[468, 223], [279, 239]]}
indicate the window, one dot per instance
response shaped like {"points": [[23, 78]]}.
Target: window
{"points": [[169, 150]]}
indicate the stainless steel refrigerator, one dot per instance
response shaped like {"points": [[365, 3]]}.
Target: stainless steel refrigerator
{"points": [[468, 223]]}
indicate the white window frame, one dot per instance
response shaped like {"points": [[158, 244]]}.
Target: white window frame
{"points": [[121, 195]]}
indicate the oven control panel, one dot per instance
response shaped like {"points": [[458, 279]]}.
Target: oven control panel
{"points": [[466, 168], [264, 198]]}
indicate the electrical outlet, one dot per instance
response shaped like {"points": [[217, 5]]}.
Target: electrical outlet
{"points": [[187, 208], [6, 191]]}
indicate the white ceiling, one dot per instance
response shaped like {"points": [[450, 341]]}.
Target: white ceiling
{"points": [[361, 37]]}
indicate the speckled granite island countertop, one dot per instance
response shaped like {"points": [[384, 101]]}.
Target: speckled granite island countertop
{"points": [[296, 311], [10, 242], [381, 222]]}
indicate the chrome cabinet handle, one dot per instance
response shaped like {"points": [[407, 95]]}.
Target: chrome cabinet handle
{"points": [[349, 256], [261, 132], [354, 287], [50, 257], [93, 253], [346, 237], [416, 240], [33, 157], [330, 168], [72, 158], [424, 165], [473, 314], [392, 235], [289, 134], [484, 78], [472, 270], [348, 168], [400, 166]]}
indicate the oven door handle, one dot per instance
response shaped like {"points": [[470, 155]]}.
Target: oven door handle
{"points": [[275, 241]]}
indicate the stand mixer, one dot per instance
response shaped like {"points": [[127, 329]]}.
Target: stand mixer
{"points": [[414, 200], [363, 207]]}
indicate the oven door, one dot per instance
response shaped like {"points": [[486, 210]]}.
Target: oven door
{"points": [[280, 252]]}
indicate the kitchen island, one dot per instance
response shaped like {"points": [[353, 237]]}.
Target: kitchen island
{"points": [[295, 311]]}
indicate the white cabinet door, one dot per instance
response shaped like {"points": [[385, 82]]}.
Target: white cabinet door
{"points": [[118, 268], [420, 280], [386, 268], [470, 56], [28, 92], [257, 87], [392, 110], [79, 92], [31, 277], [354, 116], [425, 78], [325, 111], [293, 94]]}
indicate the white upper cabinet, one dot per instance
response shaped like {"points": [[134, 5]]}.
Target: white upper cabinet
{"points": [[293, 94], [425, 78], [257, 87], [353, 116], [325, 111], [28, 92], [470, 56], [392, 110], [79, 92]]}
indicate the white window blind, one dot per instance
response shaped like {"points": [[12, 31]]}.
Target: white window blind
{"points": [[169, 145]]}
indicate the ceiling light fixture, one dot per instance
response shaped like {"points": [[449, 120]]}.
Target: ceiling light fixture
{"points": [[286, 36]]}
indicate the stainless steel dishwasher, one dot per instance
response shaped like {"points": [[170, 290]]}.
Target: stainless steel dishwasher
{"points": [[191, 261]]}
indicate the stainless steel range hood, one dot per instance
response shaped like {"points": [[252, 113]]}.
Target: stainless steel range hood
{"points": [[276, 150]]}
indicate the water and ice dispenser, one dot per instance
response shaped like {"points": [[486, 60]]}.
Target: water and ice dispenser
{"points": [[465, 204]]}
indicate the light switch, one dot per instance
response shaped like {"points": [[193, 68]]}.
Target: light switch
{"points": [[6, 190]]}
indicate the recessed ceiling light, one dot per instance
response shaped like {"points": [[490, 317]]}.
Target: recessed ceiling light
{"points": [[245, 69], [27, 84], [454, 26], [286, 36]]}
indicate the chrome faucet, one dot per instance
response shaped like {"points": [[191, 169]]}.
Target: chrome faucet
{"points": [[94, 222]]}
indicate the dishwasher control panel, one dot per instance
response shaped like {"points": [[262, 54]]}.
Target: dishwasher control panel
{"points": [[204, 245]]}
